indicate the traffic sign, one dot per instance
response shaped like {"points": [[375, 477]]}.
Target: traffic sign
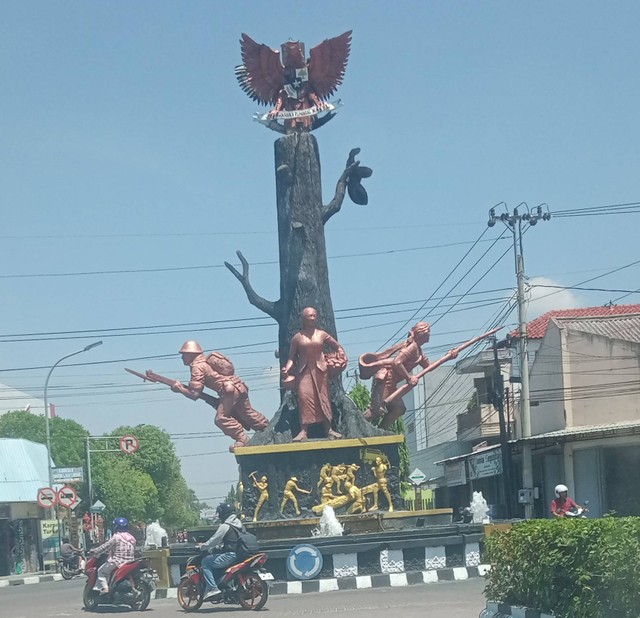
{"points": [[129, 444], [47, 497], [67, 496], [417, 477], [304, 561], [67, 475]]}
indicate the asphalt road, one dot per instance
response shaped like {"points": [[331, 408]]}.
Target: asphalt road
{"points": [[458, 599]]}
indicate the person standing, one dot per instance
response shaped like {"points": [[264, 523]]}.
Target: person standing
{"points": [[308, 363]]}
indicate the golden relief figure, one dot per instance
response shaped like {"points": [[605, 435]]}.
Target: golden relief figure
{"points": [[289, 495], [263, 487], [380, 472]]}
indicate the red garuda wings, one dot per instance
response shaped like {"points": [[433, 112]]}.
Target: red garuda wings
{"points": [[293, 83]]}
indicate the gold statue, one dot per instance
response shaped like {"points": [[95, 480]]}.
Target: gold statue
{"points": [[380, 472], [351, 473], [359, 503], [334, 501], [338, 474], [289, 496], [239, 492], [327, 491], [263, 487], [325, 473]]}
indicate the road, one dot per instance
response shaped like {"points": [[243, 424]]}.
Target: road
{"points": [[461, 599]]}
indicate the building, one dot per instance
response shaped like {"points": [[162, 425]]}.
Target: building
{"points": [[584, 369], [23, 470], [585, 407]]}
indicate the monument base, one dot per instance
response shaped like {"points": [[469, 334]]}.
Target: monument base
{"points": [[345, 474]]}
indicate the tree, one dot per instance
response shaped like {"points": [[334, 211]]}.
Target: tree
{"points": [[304, 273], [157, 458], [126, 491], [67, 436], [361, 396]]}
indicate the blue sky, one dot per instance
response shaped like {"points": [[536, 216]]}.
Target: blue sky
{"points": [[127, 145]]}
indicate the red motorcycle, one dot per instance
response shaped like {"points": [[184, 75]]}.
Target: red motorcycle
{"points": [[132, 584], [244, 583]]}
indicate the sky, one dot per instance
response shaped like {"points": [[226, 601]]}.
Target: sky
{"points": [[131, 169]]}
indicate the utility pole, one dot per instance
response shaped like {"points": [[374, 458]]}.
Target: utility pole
{"points": [[498, 402], [513, 221]]}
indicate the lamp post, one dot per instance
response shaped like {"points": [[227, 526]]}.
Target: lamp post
{"points": [[46, 407]]}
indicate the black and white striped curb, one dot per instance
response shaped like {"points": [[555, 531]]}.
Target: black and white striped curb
{"points": [[360, 582], [30, 579], [498, 610]]}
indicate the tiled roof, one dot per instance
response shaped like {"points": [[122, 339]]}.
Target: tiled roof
{"points": [[538, 327], [623, 328]]}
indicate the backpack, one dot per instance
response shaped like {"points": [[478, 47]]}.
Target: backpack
{"points": [[220, 364], [247, 544]]}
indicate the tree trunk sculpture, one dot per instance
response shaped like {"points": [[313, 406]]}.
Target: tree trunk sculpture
{"points": [[304, 275]]}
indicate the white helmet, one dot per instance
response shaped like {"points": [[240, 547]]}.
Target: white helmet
{"points": [[561, 488]]}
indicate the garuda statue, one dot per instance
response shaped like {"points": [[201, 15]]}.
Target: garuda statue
{"points": [[297, 87]]}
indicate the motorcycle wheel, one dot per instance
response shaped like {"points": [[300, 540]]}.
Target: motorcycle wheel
{"points": [[144, 600], [90, 599], [66, 572], [189, 595], [254, 594]]}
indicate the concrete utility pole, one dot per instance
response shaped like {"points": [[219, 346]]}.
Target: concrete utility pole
{"points": [[513, 221]]}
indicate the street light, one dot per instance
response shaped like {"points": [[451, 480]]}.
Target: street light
{"points": [[46, 406]]}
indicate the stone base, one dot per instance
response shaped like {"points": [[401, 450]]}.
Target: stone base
{"points": [[303, 460]]}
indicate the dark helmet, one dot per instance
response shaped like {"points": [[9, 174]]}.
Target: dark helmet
{"points": [[120, 524], [224, 510]]}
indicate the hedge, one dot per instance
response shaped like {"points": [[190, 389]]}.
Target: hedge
{"points": [[573, 568]]}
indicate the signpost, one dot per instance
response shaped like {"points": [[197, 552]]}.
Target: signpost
{"points": [[417, 477], [129, 444], [67, 475], [67, 496], [47, 497]]}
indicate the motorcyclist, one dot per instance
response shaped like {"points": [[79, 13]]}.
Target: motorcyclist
{"points": [[562, 503], [225, 541], [121, 548], [71, 554]]}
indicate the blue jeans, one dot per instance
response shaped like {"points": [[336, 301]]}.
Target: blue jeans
{"points": [[216, 561]]}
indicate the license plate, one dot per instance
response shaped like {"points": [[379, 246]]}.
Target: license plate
{"points": [[265, 576]]}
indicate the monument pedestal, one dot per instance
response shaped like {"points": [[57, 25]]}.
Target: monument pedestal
{"points": [[350, 460]]}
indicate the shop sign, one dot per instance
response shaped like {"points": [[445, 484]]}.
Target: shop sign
{"points": [[454, 473], [49, 533], [487, 463]]}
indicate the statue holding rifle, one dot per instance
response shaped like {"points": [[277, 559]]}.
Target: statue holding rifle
{"points": [[395, 364], [234, 413]]}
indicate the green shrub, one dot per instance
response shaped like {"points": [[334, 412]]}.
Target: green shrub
{"points": [[573, 568]]}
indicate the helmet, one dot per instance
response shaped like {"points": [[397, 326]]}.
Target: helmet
{"points": [[560, 489], [191, 347], [224, 510], [120, 524]]}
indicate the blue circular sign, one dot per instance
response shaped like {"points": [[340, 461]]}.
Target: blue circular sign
{"points": [[304, 562]]}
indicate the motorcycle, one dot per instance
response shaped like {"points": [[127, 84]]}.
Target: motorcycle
{"points": [[72, 566], [578, 512], [244, 583], [132, 584]]}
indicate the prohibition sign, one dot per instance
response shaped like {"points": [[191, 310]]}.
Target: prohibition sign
{"points": [[67, 496], [46, 497], [129, 444]]}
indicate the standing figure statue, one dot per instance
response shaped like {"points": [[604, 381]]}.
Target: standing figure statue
{"points": [[290, 487], [391, 367], [381, 485], [263, 487], [234, 412], [311, 370]]}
